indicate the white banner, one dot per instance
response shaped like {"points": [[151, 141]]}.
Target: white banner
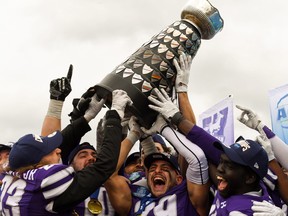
{"points": [[218, 121], [278, 99]]}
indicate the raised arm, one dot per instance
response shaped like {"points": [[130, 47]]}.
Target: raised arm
{"points": [[194, 133], [197, 172], [117, 186], [181, 86], [89, 179], [93, 176], [273, 145], [253, 121], [59, 89]]}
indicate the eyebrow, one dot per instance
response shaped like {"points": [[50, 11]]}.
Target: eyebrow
{"points": [[86, 152], [162, 165]]}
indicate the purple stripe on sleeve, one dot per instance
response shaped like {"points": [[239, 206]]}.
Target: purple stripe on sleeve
{"points": [[268, 132], [205, 141]]}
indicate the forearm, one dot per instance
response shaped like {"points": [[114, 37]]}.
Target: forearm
{"points": [[86, 181], [126, 146], [185, 107], [52, 120], [205, 141], [188, 114], [198, 136], [197, 171], [282, 181], [50, 125], [119, 194], [280, 150], [199, 197]]}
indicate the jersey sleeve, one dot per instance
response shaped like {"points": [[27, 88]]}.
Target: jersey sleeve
{"points": [[54, 179], [72, 135]]}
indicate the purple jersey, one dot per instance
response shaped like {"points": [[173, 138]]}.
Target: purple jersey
{"points": [[175, 202], [31, 193], [237, 203], [205, 141]]}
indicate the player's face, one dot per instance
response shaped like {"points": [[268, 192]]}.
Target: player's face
{"points": [[83, 158], [231, 177], [159, 147], [161, 177], [4, 154], [134, 166], [53, 157]]}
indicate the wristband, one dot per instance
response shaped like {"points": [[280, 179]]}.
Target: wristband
{"points": [[55, 108], [177, 118]]}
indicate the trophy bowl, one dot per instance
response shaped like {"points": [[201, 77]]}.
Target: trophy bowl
{"points": [[151, 66]]}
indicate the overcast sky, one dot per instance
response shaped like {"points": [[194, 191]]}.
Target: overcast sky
{"points": [[39, 39]]}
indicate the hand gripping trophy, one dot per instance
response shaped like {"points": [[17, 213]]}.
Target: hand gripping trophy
{"points": [[151, 66]]}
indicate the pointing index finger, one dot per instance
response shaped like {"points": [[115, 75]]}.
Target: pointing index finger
{"points": [[69, 74]]}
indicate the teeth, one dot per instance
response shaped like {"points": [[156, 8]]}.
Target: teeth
{"points": [[158, 180], [220, 178]]}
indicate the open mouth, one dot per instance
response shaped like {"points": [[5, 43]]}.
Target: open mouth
{"points": [[159, 183], [139, 169], [222, 183], [87, 164]]}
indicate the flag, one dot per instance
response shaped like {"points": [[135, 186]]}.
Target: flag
{"points": [[278, 101], [218, 121]]}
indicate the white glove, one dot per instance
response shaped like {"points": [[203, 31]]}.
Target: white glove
{"points": [[124, 124], [252, 120], [100, 133], [135, 131], [266, 209], [183, 72], [119, 101], [163, 103], [157, 127], [94, 108], [266, 144]]}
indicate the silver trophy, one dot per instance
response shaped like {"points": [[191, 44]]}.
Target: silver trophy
{"points": [[151, 66]]}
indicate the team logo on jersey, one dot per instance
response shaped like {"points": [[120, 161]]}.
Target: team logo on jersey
{"points": [[141, 192], [133, 176]]}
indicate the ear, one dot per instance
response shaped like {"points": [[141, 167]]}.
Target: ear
{"points": [[146, 172], [251, 178], [179, 179]]}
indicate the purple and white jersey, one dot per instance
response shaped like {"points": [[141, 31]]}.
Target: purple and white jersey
{"points": [[31, 193], [240, 204], [270, 181], [175, 202], [102, 197]]}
